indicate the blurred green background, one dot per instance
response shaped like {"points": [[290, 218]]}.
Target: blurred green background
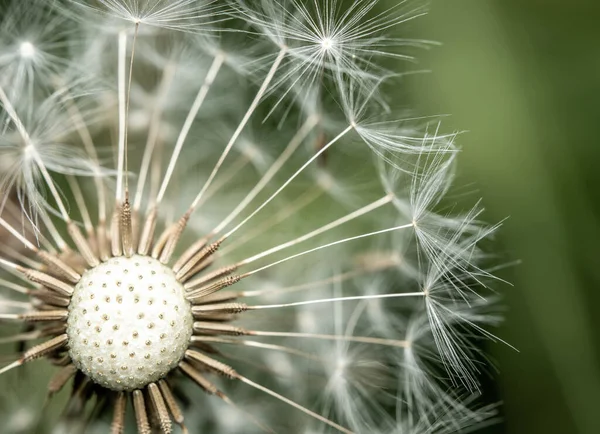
{"points": [[523, 77]]}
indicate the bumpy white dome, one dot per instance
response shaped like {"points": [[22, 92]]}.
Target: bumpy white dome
{"points": [[129, 322]]}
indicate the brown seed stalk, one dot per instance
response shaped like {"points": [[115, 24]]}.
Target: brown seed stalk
{"points": [[203, 280], [202, 255], [57, 285], [171, 402], [58, 381], [141, 416], [211, 363], [197, 295], [126, 227], [147, 234], [82, 245], [164, 419], [118, 422]]}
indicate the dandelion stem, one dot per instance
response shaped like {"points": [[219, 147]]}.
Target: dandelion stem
{"points": [[118, 422], [17, 304], [141, 415], [171, 403]]}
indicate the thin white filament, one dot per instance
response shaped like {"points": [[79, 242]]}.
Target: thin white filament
{"points": [[309, 285], [298, 138], [324, 246], [11, 366], [200, 97], [306, 198], [9, 251], [280, 189], [16, 234], [58, 239], [259, 95], [353, 215], [5, 284], [344, 338], [153, 133], [227, 175], [88, 143], [80, 200], [128, 98], [337, 299], [255, 344], [8, 264], [294, 404], [122, 53], [345, 240]]}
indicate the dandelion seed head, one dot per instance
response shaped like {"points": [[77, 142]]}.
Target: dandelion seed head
{"points": [[187, 202], [129, 323]]}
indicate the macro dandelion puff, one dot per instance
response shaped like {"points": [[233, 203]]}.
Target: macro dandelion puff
{"points": [[33, 41], [181, 15], [331, 38], [169, 228]]}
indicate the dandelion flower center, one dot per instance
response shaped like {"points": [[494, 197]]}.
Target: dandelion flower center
{"points": [[27, 49], [129, 323], [327, 43]]}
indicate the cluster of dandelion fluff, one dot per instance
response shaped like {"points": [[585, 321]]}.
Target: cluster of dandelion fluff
{"points": [[216, 196]]}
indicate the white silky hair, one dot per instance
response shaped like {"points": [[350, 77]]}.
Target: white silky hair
{"points": [[32, 47], [193, 16]]}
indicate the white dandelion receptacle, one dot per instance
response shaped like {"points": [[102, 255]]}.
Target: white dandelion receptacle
{"points": [[129, 323]]}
